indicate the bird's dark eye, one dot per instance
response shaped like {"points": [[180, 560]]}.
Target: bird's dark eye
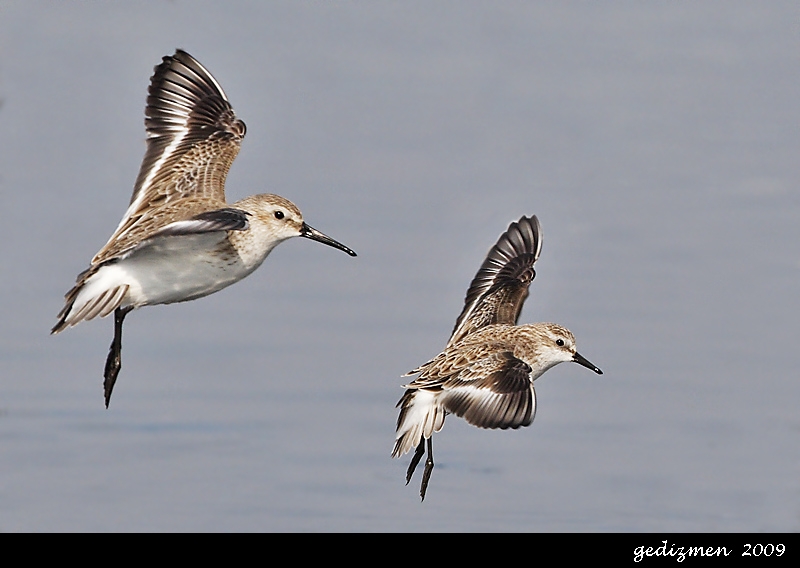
{"points": [[560, 342], [279, 214]]}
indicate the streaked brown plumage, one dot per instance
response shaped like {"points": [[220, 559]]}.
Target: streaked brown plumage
{"points": [[179, 239], [486, 372]]}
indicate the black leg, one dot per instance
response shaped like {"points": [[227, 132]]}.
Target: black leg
{"points": [[415, 460], [426, 475], [114, 360]]}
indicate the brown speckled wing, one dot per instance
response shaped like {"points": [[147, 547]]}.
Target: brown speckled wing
{"points": [[499, 289], [193, 136], [494, 392]]}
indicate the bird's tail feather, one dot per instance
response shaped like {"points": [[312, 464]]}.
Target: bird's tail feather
{"points": [[420, 416]]}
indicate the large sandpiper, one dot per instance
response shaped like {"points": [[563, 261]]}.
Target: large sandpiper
{"points": [[179, 239], [486, 372]]}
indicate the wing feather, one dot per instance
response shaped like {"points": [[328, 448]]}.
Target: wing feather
{"points": [[500, 287], [496, 392], [225, 219], [193, 136]]}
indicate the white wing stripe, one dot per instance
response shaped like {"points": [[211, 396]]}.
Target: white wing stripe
{"points": [[168, 151]]}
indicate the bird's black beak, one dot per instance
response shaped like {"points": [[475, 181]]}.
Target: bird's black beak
{"points": [[581, 360], [310, 232]]}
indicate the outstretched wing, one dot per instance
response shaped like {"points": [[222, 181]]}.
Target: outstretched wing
{"points": [[193, 136], [500, 287], [493, 392]]}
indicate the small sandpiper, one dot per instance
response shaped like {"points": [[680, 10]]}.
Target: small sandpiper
{"points": [[486, 372], [179, 239]]}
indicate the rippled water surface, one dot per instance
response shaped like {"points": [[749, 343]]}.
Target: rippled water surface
{"points": [[658, 145]]}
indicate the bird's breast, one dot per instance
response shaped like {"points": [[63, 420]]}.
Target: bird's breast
{"points": [[181, 268]]}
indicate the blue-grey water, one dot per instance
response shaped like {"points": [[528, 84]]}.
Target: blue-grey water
{"points": [[657, 142]]}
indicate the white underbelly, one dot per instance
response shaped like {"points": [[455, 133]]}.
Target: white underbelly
{"points": [[175, 269]]}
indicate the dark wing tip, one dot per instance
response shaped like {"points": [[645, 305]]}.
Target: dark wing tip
{"points": [[519, 246], [521, 237], [499, 288], [184, 95]]}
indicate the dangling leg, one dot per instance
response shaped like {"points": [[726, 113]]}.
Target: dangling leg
{"points": [[426, 475], [114, 360], [415, 460]]}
